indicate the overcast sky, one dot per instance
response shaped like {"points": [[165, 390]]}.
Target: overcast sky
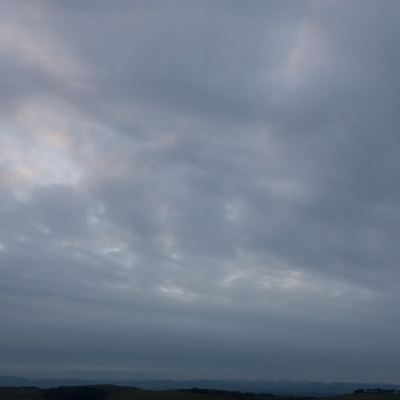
{"points": [[200, 189]]}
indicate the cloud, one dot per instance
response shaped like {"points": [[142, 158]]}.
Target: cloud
{"points": [[201, 188]]}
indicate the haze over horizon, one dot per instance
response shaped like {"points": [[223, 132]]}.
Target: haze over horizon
{"points": [[200, 189]]}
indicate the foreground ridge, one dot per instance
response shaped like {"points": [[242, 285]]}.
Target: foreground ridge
{"points": [[114, 392]]}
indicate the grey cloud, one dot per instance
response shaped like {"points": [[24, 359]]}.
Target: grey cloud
{"points": [[201, 188]]}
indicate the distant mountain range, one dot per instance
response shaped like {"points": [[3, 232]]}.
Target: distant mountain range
{"points": [[277, 387]]}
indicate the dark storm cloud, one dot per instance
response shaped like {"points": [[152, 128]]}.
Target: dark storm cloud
{"points": [[205, 188]]}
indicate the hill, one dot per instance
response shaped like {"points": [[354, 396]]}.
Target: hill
{"points": [[291, 387], [112, 392]]}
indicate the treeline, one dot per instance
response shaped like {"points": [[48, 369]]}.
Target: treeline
{"points": [[240, 395], [235, 394], [376, 390]]}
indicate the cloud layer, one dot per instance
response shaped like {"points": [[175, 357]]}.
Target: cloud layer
{"points": [[200, 189]]}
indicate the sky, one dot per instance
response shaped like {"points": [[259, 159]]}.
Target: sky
{"points": [[200, 189]]}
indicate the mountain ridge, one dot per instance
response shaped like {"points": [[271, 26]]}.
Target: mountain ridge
{"points": [[278, 387]]}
